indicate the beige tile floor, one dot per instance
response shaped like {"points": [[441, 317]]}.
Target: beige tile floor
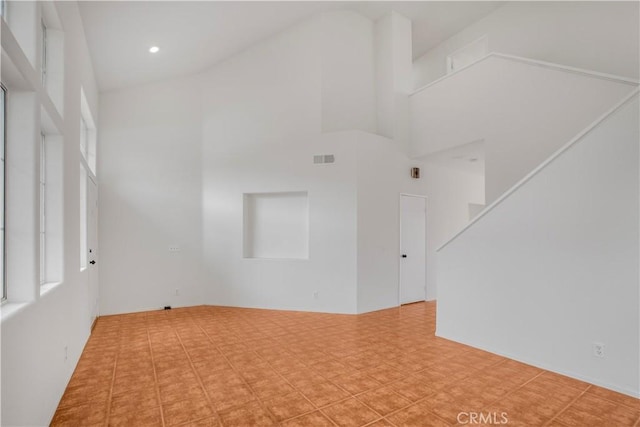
{"points": [[213, 366]]}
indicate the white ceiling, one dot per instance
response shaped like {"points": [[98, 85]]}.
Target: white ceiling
{"points": [[196, 35]]}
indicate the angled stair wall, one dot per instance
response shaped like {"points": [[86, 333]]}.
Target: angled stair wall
{"points": [[523, 109], [551, 267]]}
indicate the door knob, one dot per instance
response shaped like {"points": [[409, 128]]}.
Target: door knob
{"points": [[92, 262], [404, 255]]}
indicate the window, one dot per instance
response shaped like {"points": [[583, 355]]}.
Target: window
{"points": [[3, 9], [51, 54], [43, 210], [51, 192], [44, 53], [83, 217], [3, 145]]}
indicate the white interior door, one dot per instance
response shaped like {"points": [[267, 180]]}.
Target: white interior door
{"points": [[92, 247], [413, 211]]}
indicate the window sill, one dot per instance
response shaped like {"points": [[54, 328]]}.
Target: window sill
{"points": [[9, 309], [47, 287]]}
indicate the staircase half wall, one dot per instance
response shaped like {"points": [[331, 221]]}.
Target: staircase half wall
{"points": [[551, 267], [523, 109]]}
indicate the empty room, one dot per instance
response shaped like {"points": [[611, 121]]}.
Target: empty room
{"points": [[317, 213]]}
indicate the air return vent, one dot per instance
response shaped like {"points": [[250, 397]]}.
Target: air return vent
{"points": [[323, 158]]}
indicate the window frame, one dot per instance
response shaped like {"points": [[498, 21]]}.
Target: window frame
{"points": [[43, 66], [84, 139], [43, 209], [84, 225], [3, 223]]}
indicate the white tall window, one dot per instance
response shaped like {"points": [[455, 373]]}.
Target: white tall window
{"points": [[51, 206], [3, 145], [43, 210], [83, 217]]}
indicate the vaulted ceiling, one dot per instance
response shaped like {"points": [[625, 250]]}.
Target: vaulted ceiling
{"points": [[196, 35]]}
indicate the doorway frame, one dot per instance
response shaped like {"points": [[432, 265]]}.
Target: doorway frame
{"points": [[92, 179], [426, 198]]}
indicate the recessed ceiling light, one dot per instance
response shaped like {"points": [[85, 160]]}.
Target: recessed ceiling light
{"points": [[154, 49]]}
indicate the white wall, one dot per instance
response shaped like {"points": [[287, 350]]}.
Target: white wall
{"points": [[449, 193], [150, 197], [174, 155], [383, 173], [268, 95], [353, 224], [600, 36], [315, 77], [347, 52], [36, 329], [553, 268], [522, 110], [330, 269], [393, 76]]}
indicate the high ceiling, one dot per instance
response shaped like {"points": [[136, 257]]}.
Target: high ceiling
{"points": [[196, 35]]}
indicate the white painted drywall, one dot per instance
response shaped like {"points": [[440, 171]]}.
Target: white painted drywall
{"points": [[554, 266], [347, 52], [25, 29], [475, 209], [266, 96], [150, 196], [353, 224], [383, 173], [449, 193], [393, 75], [263, 113], [315, 77], [167, 148], [276, 225], [523, 112], [37, 328], [330, 269], [467, 54], [600, 36]]}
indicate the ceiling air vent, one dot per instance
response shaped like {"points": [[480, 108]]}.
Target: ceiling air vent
{"points": [[319, 159]]}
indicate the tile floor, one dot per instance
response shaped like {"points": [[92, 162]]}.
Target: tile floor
{"points": [[219, 366]]}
